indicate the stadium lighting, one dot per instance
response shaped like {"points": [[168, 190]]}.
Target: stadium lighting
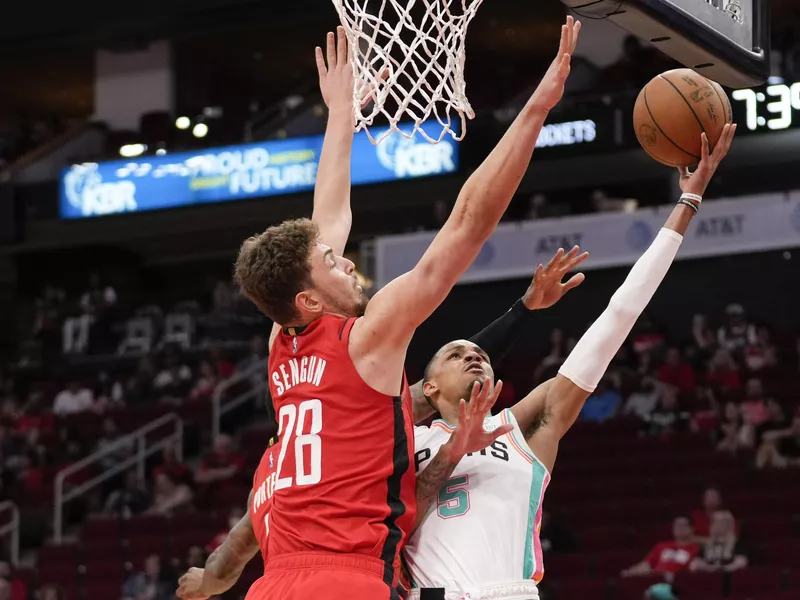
{"points": [[183, 122], [200, 130], [132, 150]]}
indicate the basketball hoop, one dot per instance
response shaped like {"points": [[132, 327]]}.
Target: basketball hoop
{"points": [[410, 55]]}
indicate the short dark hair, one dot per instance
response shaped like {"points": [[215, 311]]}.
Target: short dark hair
{"points": [[273, 267]]}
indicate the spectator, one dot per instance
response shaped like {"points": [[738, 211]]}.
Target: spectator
{"points": [[704, 339], [722, 372], [169, 495], [109, 393], [74, 399], [555, 536], [701, 517], [50, 592], [722, 551], [737, 333], [781, 449], [234, 517], [666, 418], [733, 433], [5, 590], [754, 407], [549, 365], [174, 381], [676, 372], [258, 354], [195, 557], [776, 420], [762, 354], [18, 588], [140, 386], [705, 410], [221, 464], [110, 434], [206, 384], [602, 404], [222, 366], [129, 501], [671, 557], [174, 468], [644, 400], [148, 584], [645, 336]]}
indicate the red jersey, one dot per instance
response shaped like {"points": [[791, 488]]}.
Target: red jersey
{"points": [[671, 557], [344, 482], [261, 499]]}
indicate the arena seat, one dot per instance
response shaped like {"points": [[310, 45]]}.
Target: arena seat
{"points": [[698, 586]]}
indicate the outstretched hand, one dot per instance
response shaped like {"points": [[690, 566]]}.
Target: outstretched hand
{"points": [[336, 80], [470, 436], [551, 88], [697, 182], [546, 287]]}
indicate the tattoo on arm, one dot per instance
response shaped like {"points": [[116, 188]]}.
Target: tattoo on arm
{"points": [[226, 563], [431, 480]]}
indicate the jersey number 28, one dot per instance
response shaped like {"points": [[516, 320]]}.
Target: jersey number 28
{"points": [[292, 423]]}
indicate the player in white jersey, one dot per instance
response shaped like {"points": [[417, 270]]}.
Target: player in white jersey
{"points": [[480, 538]]}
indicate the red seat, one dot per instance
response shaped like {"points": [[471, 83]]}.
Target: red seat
{"points": [[95, 529], [58, 555], [559, 567], [145, 526], [698, 586], [573, 589], [755, 580], [103, 591], [633, 588]]}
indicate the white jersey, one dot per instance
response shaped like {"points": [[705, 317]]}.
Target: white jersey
{"points": [[485, 525]]}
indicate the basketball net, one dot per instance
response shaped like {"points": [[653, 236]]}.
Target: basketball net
{"points": [[409, 55]]}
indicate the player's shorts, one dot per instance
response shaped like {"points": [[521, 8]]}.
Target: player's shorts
{"points": [[523, 590], [324, 576]]}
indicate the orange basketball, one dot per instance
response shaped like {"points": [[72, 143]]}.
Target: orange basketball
{"points": [[671, 112]]}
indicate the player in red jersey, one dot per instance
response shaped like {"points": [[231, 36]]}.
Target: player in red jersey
{"points": [[344, 501]]}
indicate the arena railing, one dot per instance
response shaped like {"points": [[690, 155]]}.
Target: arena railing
{"points": [[144, 448], [221, 405], [11, 529]]}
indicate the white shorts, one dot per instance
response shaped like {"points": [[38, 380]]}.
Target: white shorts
{"points": [[523, 590]]}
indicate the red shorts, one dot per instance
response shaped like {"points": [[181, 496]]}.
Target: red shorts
{"points": [[323, 576]]}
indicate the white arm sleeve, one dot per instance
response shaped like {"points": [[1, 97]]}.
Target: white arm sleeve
{"points": [[590, 358]]}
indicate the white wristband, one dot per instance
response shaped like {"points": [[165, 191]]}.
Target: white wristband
{"points": [[692, 197]]}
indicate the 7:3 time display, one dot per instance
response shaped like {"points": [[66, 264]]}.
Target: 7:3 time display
{"points": [[781, 101]]}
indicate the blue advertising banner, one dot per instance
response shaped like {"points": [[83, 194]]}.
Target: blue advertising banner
{"points": [[241, 172]]}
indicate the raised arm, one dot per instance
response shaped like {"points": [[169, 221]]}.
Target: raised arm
{"points": [[497, 338], [549, 411], [332, 212], [224, 566], [379, 340]]}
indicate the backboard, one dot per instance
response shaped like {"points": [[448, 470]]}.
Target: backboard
{"points": [[726, 40]]}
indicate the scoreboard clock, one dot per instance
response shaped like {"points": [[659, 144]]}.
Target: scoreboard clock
{"points": [[769, 108]]}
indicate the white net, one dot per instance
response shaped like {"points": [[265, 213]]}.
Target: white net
{"points": [[410, 55]]}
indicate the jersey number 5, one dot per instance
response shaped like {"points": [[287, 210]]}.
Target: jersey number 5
{"points": [[308, 410], [453, 500]]}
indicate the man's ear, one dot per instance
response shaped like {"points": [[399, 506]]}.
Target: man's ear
{"points": [[429, 388], [307, 302]]}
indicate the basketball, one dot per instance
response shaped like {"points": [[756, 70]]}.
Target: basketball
{"points": [[671, 112]]}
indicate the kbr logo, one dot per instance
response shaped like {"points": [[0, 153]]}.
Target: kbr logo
{"points": [[409, 158], [84, 190]]}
